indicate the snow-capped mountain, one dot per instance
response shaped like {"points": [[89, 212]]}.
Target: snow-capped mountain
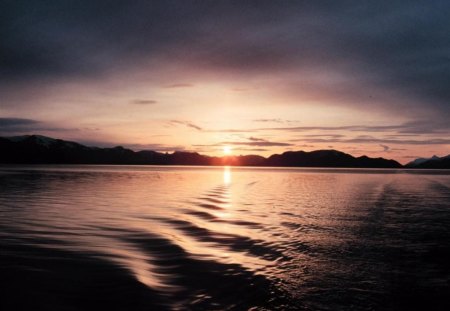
{"points": [[433, 162]]}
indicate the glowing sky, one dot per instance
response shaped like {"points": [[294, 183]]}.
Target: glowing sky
{"points": [[259, 76]]}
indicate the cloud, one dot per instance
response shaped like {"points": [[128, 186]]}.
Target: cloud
{"points": [[390, 54], [323, 135], [143, 102], [232, 131], [379, 141], [252, 149], [407, 129], [412, 127], [178, 85], [277, 120], [256, 139], [199, 128], [355, 128], [16, 122], [269, 120], [309, 146], [186, 123], [385, 147], [388, 149], [19, 126], [258, 143]]}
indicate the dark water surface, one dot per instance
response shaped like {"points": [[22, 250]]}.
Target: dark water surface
{"points": [[177, 238]]}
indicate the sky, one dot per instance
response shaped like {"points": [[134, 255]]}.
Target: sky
{"points": [[261, 77]]}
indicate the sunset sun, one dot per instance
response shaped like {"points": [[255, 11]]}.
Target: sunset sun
{"points": [[227, 150]]}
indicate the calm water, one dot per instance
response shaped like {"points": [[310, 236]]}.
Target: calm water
{"points": [[176, 238]]}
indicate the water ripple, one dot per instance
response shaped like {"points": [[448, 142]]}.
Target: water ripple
{"points": [[156, 238]]}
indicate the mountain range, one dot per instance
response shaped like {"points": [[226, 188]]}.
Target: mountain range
{"points": [[433, 162], [37, 149]]}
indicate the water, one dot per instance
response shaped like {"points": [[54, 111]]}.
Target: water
{"points": [[195, 238]]}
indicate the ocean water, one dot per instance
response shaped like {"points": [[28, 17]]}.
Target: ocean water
{"points": [[219, 238]]}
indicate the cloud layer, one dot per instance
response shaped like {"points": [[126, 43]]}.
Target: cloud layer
{"points": [[290, 64], [351, 51]]}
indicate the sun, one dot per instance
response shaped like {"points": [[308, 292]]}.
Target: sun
{"points": [[227, 150]]}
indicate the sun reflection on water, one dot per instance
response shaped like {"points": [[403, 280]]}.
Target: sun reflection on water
{"points": [[226, 175]]}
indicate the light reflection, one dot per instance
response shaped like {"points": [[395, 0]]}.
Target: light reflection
{"points": [[226, 175]]}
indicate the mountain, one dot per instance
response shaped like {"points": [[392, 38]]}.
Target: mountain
{"points": [[419, 161], [327, 158], [433, 162], [36, 149]]}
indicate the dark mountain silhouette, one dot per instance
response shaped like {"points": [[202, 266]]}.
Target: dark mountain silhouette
{"points": [[327, 158], [36, 149], [433, 162]]}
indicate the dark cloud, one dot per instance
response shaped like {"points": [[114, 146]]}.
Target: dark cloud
{"points": [[16, 122], [309, 146], [255, 141], [186, 123], [199, 128], [251, 138], [19, 126], [360, 53], [324, 135], [385, 147], [11, 126], [408, 129], [143, 102], [413, 127], [380, 141], [356, 128]]}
